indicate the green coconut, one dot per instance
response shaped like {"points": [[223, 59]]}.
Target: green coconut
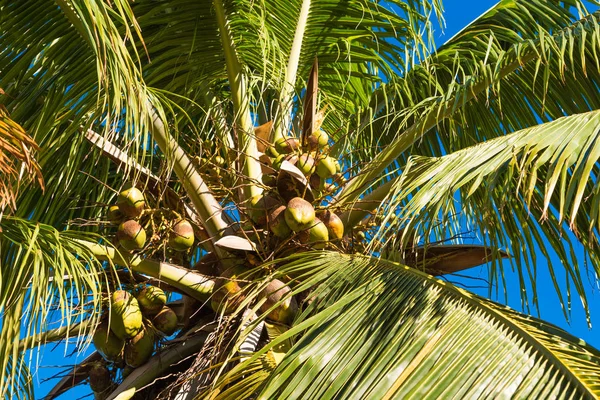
{"points": [[335, 226], [131, 235], [299, 214], [306, 164], [317, 140], [151, 300], [109, 345], [316, 234], [100, 379], [277, 224], [125, 315], [275, 291], [166, 321], [131, 202], [139, 349], [287, 145], [218, 161], [115, 215], [226, 294], [327, 167], [181, 237]]}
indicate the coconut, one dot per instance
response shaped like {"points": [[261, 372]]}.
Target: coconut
{"points": [[151, 300], [275, 291], [335, 226], [100, 379], [327, 167], [277, 224], [125, 315], [316, 234], [260, 206], [277, 162], [317, 140], [306, 164], [181, 237], [226, 294], [269, 180], [109, 345], [218, 161], [139, 349], [299, 214], [287, 145], [131, 202], [131, 235], [166, 321], [115, 215], [271, 151]]}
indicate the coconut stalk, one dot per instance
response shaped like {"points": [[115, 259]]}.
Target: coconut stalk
{"points": [[246, 142], [209, 210], [53, 335], [157, 365], [189, 282]]}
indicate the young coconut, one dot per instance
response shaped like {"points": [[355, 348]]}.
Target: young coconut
{"points": [[316, 234], [287, 145], [335, 226], [139, 349], [299, 214], [166, 321], [109, 345], [275, 291], [115, 215], [327, 167], [151, 300], [317, 140], [131, 235], [181, 237], [277, 224], [131, 202], [125, 315], [100, 379], [306, 164]]}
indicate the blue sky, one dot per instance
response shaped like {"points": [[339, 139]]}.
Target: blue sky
{"points": [[458, 13]]}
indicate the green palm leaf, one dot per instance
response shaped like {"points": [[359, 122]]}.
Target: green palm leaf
{"points": [[381, 330], [46, 277]]}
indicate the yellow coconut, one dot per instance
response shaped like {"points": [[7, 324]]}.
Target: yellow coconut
{"points": [[327, 167], [131, 202], [181, 236], [109, 345], [317, 234], [151, 300], [131, 235], [335, 226], [115, 215], [299, 214], [226, 295], [125, 315]]}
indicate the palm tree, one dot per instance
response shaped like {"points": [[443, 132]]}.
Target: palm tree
{"points": [[495, 132]]}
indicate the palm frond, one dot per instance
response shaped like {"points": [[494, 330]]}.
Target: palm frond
{"points": [[517, 189], [381, 330], [34, 295], [504, 80]]}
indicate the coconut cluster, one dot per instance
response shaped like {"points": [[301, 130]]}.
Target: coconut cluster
{"points": [[291, 215], [133, 218], [131, 331]]}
